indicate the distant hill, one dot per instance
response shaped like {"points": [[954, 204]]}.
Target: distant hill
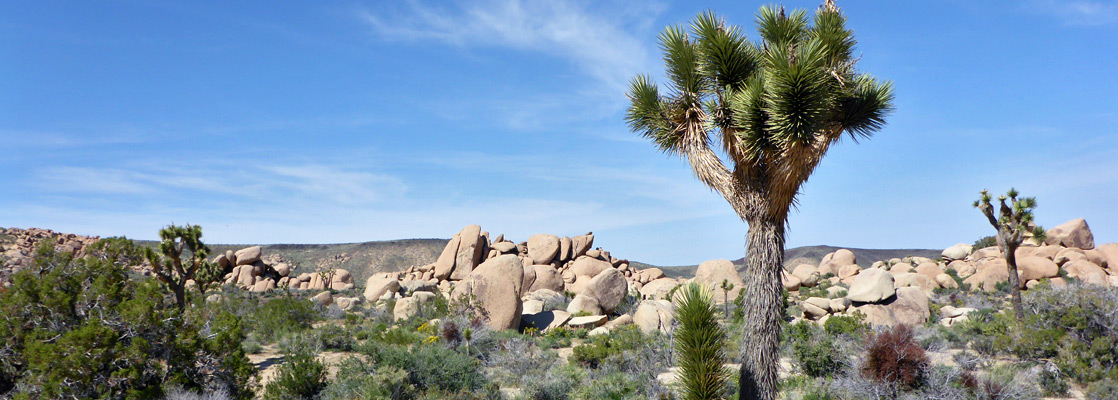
{"points": [[360, 259], [367, 258], [813, 255]]}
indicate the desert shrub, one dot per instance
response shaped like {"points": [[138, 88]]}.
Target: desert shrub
{"points": [[429, 366], [301, 376], [557, 383], [333, 312], [178, 393], [984, 242], [850, 325], [946, 383], [614, 386], [820, 290], [79, 328], [518, 361], [1103, 389], [700, 343], [597, 348], [986, 331], [815, 354], [251, 345], [280, 316], [1052, 383], [354, 381], [397, 335], [557, 337], [1075, 326], [894, 356], [334, 337]]}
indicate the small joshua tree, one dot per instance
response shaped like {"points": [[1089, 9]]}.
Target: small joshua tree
{"points": [[168, 264], [1013, 222], [726, 288], [701, 343]]}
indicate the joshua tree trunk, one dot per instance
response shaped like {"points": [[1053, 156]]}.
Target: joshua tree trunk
{"points": [[180, 295], [762, 304], [1010, 252]]}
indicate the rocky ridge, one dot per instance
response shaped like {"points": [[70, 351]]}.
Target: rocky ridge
{"points": [[17, 246], [897, 291]]}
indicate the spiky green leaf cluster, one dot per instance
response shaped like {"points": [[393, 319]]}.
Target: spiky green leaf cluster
{"points": [[1016, 217], [764, 97], [700, 342]]}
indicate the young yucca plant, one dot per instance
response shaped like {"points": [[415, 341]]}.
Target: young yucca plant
{"points": [[700, 342]]}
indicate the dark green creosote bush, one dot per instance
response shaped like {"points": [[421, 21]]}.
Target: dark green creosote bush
{"points": [[79, 328]]}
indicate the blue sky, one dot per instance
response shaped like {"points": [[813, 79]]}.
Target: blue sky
{"points": [[320, 122]]}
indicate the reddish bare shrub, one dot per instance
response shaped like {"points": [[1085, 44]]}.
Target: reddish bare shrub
{"points": [[896, 357]]}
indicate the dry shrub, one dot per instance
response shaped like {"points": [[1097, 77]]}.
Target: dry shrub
{"points": [[896, 357]]}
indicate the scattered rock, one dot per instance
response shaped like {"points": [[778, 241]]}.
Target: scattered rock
{"points": [[957, 252], [871, 285], [497, 285], [584, 303], [1073, 234], [654, 315], [609, 289], [542, 248], [248, 255]]}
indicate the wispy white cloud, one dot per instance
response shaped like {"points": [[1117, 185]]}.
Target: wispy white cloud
{"points": [[322, 184], [1078, 12], [599, 42]]}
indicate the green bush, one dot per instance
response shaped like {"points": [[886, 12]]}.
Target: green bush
{"points": [[79, 328], [984, 242], [334, 337], [251, 345], [301, 376], [558, 383], [814, 353], [598, 348], [820, 290], [1068, 326], [850, 325], [429, 366], [1052, 383], [1105, 389], [282, 315], [354, 381], [615, 386]]}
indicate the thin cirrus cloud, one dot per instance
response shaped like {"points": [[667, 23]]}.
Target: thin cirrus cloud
{"points": [[602, 47], [306, 183], [1079, 12]]}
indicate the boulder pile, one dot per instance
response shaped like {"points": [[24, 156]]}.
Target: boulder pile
{"points": [[1068, 251], [248, 269], [17, 246], [897, 291], [523, 284]]}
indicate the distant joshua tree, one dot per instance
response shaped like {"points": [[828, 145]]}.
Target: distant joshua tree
{"points": [[168, 264], [1013, 222], [773, 108]]}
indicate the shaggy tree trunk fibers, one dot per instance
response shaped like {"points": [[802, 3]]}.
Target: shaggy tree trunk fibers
{"points": [[762, 304], [1014, 280]]}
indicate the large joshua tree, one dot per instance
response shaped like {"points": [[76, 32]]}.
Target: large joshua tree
{"points": [[1014, 223], [772, 109]]}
